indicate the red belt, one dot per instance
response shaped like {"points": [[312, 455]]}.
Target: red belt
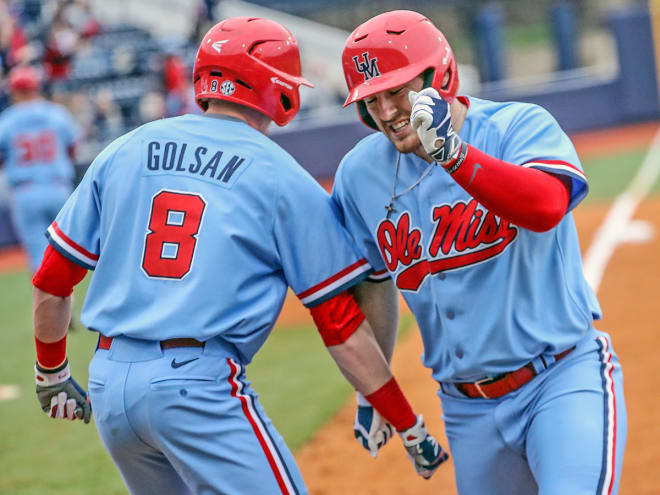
{"points": [[494, 387], [104, 343]]}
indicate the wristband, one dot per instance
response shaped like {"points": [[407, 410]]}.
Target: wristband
{"points": [[50, 354], [453, 165], [392, 405]]}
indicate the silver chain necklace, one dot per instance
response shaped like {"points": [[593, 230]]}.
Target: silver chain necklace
{"points": [[390, 207]]}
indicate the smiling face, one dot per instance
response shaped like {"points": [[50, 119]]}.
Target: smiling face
{"points": [[390, 110]]}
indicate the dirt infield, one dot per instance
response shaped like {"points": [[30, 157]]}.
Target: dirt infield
{"points": [[12, 259]]}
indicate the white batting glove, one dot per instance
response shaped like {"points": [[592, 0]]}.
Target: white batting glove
{"points": [[424, 451], [431, 118], [59, 394], [370, 429]]}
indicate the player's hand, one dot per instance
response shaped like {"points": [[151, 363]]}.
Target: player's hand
{"points": [[424, 451], [59, 394], [370, 429], [431, 118]]}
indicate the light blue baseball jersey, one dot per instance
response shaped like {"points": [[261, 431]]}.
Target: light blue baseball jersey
{"points": [[488, 296], [35, 137], [195, 227]]}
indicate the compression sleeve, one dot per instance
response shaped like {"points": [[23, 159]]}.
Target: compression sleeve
{"points": [[337, 318], [526, 197], [57, 275]]}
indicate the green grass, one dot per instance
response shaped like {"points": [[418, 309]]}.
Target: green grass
{"points": [[609, 176], [39, 455], [526, 35], [299, 386]]}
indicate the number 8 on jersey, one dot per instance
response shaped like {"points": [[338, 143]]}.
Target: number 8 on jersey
{"points": [[174, 223]]}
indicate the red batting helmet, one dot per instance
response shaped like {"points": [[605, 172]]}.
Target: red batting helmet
{"points": [[23, 78], [391, 49], [251, 61]]}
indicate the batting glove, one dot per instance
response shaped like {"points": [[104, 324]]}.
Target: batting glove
{"points": [[431, 118], [370, 429], [59, 394], [424, 451]]}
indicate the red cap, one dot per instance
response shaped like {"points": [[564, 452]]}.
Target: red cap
{"points": [[23, 78]]}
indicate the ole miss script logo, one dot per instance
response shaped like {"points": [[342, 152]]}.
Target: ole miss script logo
{"points": [[463, 235]]}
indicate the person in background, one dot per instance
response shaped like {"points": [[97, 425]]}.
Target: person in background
{"points": [[37, 147]]}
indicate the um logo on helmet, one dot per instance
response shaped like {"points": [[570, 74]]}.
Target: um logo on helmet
{"points": [[368, 68]]}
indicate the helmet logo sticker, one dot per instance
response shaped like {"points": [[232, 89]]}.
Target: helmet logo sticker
{"points": [[217, 45], [227, 88], [276, 80], [368, 68]]}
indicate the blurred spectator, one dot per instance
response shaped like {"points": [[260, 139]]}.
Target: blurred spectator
{"points": [[60, 47], [124, 60], [63, 98], [204, 19], [108, 120], [72, 23], [81, 106], [152, 106], [175, 75], [30, 16], [12, 38], [79, 15]]}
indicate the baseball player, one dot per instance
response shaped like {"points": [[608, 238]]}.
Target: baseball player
{"points": [[194, 229], [464, 205], [37, 143]]}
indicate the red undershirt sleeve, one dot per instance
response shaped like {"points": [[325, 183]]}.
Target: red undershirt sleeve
{"points": [[337, 318], [57, 275], [526, 197]]}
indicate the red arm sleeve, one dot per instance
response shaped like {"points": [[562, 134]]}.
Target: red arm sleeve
{"points": [[57, 275], [526, 197], [337, 318]]}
